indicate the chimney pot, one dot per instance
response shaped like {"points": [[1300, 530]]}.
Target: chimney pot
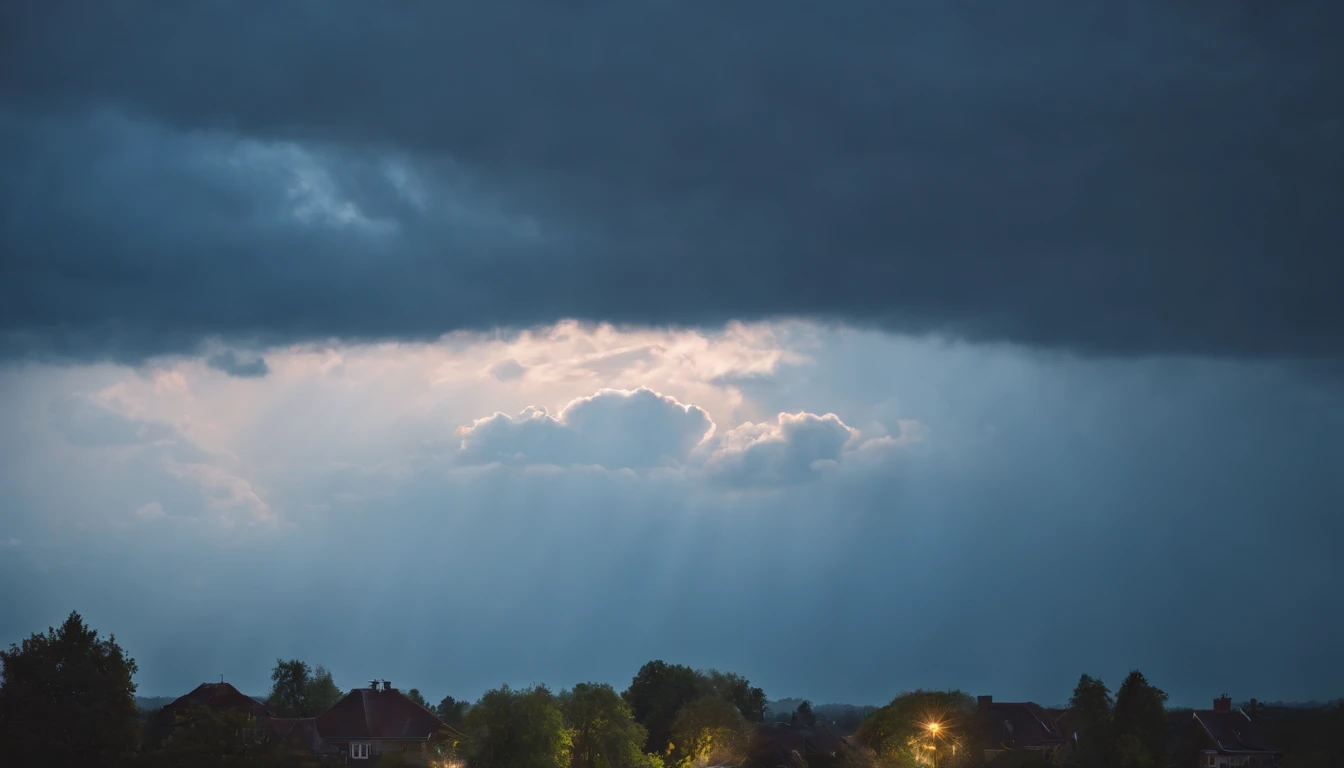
{"points": [[1222, 704]]}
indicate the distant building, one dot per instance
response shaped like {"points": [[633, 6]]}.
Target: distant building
{"points": [[217, 697], [370, 722], [1002, 727], [1228, 737]]}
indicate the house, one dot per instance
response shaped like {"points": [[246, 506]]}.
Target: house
{"points": [[370, 722], [1000, 727], [218, 697], [1226, 737]]}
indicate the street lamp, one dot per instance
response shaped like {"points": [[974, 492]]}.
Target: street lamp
{"points": [[934, 728]]}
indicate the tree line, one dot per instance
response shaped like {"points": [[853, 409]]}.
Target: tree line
{"points": [[67, 697]]}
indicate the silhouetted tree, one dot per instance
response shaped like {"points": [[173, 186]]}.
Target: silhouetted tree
{"points": [[298, 690], [321, 693], [414, 695], [451, 711], [749, 700], [67, 698], [1092, 707], [1141, 713], [803, 716]]}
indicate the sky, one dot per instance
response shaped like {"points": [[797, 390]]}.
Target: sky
{"points": [[853, 347]]}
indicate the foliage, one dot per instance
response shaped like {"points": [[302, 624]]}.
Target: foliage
{"points": [[1140, 712], [321, 693], [298, 690], [414, 695], [656, 694], [451, 711], [749, 700], [660, 690], [803, 715], [1092, 710], [516, 729], [393, 759], [289, 686], [708, 731], [205, 738], [67, 698], [602, 728], [899, 732]]}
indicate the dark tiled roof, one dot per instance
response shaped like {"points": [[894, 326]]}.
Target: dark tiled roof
{"points": [[366, 713], [1017, 725], [220, 697], [295, 731], [1233, 731], [774, 743]]}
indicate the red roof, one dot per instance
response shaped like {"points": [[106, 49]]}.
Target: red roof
{"points": [[365, 713], [220, 697], [1233, 731]]}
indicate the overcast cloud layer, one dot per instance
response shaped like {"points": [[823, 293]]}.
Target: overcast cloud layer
{"points": [[1119, 178]]}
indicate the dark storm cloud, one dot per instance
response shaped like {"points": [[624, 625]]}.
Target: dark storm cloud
{"points": [[240, 366], [1120, 178]]}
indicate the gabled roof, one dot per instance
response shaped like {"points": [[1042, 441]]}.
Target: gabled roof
{"points": [[1017, 725], [1233, 731], [365, 713], [220, 697]]}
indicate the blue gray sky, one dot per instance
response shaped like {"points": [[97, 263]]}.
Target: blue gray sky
{"points": [[853, 347]]}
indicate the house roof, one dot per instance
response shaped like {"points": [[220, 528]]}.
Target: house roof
{"points": [[1233, 731], [1017, 725], [296, 729], [220, 697], [377, 714]]}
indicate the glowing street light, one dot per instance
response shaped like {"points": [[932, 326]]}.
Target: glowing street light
{"points": [[934, 728]]}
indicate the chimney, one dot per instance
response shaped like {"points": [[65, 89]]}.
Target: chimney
{"points": [[1252, 707], [387, 685], [984, 702], [374, 684], [1222, 703]]}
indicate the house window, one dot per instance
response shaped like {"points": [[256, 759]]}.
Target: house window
{"points": [[359, 751]]}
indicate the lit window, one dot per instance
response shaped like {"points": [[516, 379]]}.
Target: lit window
{"points": [[359, 751]]}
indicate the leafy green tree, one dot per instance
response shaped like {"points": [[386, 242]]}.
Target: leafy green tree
{"points": [[289, 688], [298, 690], [1092, 708], [414, 695], [656, 694], [602, 728], [1141, 712], [321, 693], [708, 731], [749, 700], [67, 698], [451, 711], [900, 732], [516, 729]]}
